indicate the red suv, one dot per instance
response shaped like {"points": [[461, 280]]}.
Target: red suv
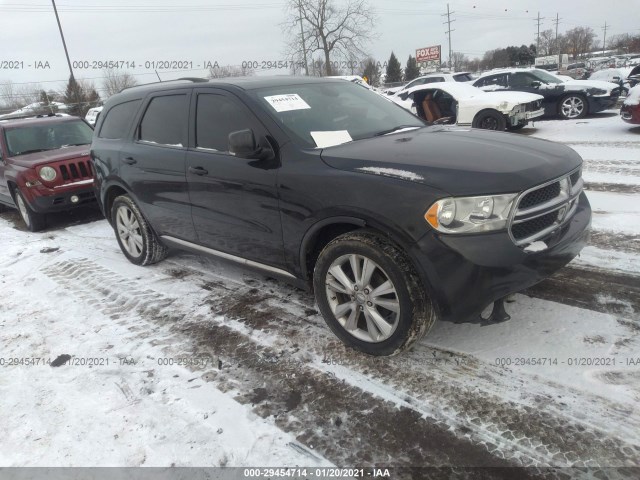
{"points": [[44, 166]]}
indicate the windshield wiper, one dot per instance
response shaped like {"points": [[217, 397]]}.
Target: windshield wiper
{"points": [[394, 129], [33, 151], [73, 145]]}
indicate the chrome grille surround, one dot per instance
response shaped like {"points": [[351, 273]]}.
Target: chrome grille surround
{"points": [[564, 205]]}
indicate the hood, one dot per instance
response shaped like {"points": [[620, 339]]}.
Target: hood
{"points": [[51, 156], [514, 97], [591, 84], [455, 160]]}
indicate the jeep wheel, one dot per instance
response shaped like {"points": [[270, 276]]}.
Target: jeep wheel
{"points": [[370, 294], [136, 238], [572, 107], [34, 221], [490, 120]]}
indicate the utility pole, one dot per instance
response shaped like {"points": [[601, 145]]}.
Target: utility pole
{"points": [[539, 19], [448, 32], [72, 79], [556, 21], [304, 48], [604, 39]]}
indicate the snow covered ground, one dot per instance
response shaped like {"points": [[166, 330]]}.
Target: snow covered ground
{"points": [[197, 362]]}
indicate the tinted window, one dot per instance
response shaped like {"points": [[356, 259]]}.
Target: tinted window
{"points": [[165, 121], [500, 79], [521, 79], [434, 80], [463, 77], [118, 119], [216, 117]]}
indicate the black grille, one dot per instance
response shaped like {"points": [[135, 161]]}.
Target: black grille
{"points": [[73, 171], [575, 176], [533, 226], [540, 195]]}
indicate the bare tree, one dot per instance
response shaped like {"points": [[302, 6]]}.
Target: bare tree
{"points": [[337, 32], [116, 80], [459, 61], [230, 71], [580, 40], [14, 96]]}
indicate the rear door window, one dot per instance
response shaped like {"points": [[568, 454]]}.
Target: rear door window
{"points": [[165, 121]]}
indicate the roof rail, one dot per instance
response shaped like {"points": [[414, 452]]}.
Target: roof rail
{"points": [[8, 116], [190, 79]]}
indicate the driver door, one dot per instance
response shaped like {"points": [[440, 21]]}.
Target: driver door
{"points": [[234, 200]]}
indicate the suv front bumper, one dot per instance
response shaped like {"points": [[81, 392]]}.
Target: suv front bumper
{"points": [[469, 272], [42, 199]]}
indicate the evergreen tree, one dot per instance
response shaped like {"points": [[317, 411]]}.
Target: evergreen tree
{"points": [[394, 70], [80, 97], [412, 70], [371, 72]]}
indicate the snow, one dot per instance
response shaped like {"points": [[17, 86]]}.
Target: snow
{"points": [[69, 290], [633, 98], [392, 172]]}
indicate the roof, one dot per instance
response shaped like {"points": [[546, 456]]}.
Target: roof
{"points": [[36, 120], [244, 83]]}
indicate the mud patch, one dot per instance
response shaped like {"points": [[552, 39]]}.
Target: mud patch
{"points": [[611, 187], [615, 241]]}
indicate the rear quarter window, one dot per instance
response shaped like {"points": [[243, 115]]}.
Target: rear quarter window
{"points": [[116, 123]]}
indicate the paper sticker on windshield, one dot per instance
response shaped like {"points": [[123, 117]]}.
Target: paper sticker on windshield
{"points": [[288, 102], [331, 138]]}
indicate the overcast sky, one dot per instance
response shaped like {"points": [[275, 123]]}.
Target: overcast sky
{"points": [[235, 31]]}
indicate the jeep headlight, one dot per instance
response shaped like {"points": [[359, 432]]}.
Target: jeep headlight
{"points": [[47, 173], [599, 92], [470, 214], [516, 109]]}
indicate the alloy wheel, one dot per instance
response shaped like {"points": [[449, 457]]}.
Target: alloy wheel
{"points": [[128, 229], [572, 107], [23, 210], [362, 298]]}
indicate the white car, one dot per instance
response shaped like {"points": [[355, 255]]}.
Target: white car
{"points": [[435, 77], [92, 115], [465, 105]]}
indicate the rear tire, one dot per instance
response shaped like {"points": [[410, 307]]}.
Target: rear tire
{"points": [[136, 238], [490, 120], [370, 294], [34, 221]]}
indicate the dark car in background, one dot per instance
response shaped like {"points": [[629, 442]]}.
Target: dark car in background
{"points": [[566, 99], [321, 182], [44, 166]]}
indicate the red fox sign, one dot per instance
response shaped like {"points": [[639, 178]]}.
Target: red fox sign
{"points": [[428, 54]]}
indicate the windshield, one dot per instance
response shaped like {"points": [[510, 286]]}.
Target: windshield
{"points": [[47, 136], [545, 77], [325, 114]]}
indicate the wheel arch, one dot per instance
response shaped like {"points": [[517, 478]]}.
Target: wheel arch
{"points": [[111, 192]]}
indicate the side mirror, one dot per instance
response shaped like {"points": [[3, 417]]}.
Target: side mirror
{"points": [[536, 84], [242, 143], [404, 95]]}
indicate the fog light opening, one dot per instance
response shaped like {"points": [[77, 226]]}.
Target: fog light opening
{"points": [[74, 199]]}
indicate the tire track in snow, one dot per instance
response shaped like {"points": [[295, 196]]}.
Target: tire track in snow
{"points": [[273, 343]]}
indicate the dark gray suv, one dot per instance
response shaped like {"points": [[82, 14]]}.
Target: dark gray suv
{"points": [[393, 223]]}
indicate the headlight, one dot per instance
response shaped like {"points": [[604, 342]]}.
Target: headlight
{"points": [[470, 214], [517, 109], [48, 174], [599, 91]]}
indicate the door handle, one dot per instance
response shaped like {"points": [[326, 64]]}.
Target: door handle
{"points": [[129, 160], [198, 171]]}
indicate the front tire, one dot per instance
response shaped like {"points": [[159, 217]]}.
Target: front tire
{"points": [[370, 294], [34, 221], [490, 120], [136, 238], [572, 106]]}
